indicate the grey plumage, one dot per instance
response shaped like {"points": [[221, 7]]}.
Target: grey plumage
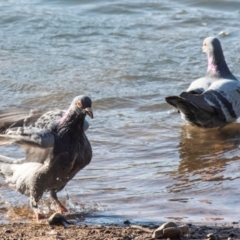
{"points": [[39, 118], [214, 100], [194, 114], [54, 153]]}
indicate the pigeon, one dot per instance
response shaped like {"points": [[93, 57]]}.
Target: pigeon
{"points": [[214, 100], [53, 154]]}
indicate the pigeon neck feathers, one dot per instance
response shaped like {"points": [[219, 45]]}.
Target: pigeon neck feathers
{"points": [[72, 120], [217, 66]]}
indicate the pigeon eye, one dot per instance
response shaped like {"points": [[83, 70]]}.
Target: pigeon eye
{"points": [[205, 44], [79, 104]]}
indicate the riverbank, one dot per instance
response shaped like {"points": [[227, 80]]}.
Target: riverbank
{"points": [[40, 231]]}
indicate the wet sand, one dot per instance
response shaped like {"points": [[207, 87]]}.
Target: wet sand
{"points": [[21, 231]]}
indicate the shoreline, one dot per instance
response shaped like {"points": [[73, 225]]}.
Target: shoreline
{"points": [[42, 230]]}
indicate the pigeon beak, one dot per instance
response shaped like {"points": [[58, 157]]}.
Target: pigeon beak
{"points": [[204, 48], [89, 112]]}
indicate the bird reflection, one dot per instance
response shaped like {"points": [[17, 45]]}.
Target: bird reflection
{"points": [[204, 155], [208, 149]]}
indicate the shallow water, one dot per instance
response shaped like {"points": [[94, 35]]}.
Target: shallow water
{"points": [[148, 165]]}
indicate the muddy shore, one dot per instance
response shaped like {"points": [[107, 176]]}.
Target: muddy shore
{"points": [[40, 231]]}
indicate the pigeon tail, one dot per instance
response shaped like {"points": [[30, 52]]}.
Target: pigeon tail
{"points": [[193, 115]]}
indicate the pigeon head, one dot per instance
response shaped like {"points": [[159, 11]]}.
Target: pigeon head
{"points": [[212, 46], [216, 61], [82, 104]]}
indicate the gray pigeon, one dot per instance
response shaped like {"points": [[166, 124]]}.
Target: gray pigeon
{"points": [[54, 155], [214, 100]]}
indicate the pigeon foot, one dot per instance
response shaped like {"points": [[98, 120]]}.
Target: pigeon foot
{"points": [[62, 209], [39, 216]]}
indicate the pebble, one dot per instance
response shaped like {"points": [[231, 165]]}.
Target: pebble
{"points": [[126, 222], [184, 229], [232, 234], [53, 232], [159, 231], [8, 231], [172, 232], [57, 219], [212, 236]]}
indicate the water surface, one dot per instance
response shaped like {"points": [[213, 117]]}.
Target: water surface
{"points": [[148, 165]]}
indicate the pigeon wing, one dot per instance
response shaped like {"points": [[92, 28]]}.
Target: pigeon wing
{"points": [[38, 144], [18, 117], [201, 85], [214, 101]]}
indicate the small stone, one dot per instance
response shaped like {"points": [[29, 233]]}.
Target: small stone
{"points": [[8, 231], [184, 229], [232, 234], [212, 236], [52, 232], [57, 219], [159, 231], [172, 232], [126, 222], [152, 226], [145, 226], [98, 226]]}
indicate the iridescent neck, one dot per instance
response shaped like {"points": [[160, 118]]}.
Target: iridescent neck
{"points": [[212, 68], [72, 120], [217, 66]]}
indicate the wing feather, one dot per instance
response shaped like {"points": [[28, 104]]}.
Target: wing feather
{"points": [[38, 144]]}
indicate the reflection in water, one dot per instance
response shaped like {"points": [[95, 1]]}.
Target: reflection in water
{"points": [[205, 149], [205, 184], [205, 153]]}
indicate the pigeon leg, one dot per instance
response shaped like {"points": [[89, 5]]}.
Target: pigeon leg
{"points": [[61, 207], [38, 215], [34, 206]]}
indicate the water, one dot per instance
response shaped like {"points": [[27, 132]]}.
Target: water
{"points": [[148, 165]]}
